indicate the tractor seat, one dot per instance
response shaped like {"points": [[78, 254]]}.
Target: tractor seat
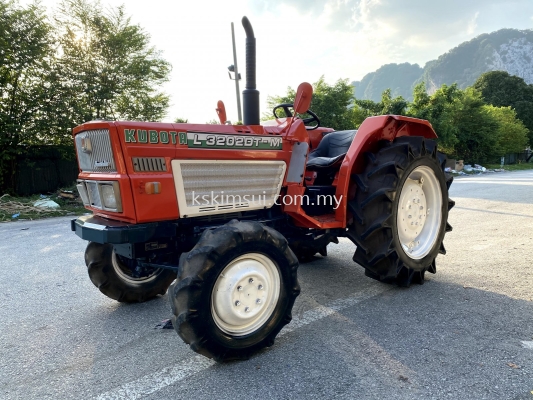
{"points": [[330, 151]]}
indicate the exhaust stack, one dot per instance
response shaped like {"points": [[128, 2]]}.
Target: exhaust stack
{"points": [[250, 96]]}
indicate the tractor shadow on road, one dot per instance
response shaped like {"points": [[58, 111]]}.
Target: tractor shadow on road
{"points": [[428, 340]]}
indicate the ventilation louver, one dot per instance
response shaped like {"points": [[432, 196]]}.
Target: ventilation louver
{"points": [[149, 164]]}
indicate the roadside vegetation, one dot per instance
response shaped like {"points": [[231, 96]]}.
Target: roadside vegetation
{"points": [[21, 208], [82, 63], [479, 124]]}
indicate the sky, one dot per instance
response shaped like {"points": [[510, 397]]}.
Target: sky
{"points": [[301, 40]]}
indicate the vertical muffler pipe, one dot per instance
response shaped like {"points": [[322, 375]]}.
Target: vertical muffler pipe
{"points": [[250, 95]]}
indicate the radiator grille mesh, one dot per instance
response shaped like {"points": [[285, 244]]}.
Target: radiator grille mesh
{"points": [[216, 187], [94, 151]]}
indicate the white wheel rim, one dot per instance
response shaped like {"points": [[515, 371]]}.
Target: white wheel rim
{"points": [[118, 267], [245, 294], [419, 212]]}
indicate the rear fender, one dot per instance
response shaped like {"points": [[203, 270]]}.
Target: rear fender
{"points": [[370, 133]]}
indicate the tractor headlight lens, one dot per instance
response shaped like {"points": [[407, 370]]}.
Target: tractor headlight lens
{"points": [[82, 190], [109, 199], [103, 195]]}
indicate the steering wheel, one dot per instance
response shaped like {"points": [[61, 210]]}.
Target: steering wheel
{"points": [[313, 117]]}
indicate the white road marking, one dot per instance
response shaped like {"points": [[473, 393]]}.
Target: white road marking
{"points": [[495, 182], [158, 380], [323, 311], [527, 345], [151, 383]]}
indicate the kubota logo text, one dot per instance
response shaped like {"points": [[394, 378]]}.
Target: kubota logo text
{"points": [[203, 140]]}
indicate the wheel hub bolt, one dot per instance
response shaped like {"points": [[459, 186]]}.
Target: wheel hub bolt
{"points": [[258, 301], [247, 309], [421, 207], [239, 288], [410, 216], [251, 280], [260, 287], [237, 303]]}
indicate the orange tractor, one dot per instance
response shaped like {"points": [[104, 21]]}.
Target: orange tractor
{"points": [[220, 215]]}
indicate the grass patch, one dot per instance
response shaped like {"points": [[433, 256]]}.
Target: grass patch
{"points": [[23, 206], [511, 167]]}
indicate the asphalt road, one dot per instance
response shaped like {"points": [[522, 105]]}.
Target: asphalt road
{"points": [[467, 333]]}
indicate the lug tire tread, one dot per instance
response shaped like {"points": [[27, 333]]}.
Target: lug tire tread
{"points": [[372, 208], [190, 294], [98, 258]]}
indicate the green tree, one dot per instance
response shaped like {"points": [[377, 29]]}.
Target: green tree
{"points": [[26, 51], [358, 115], [332, 104], [369, 108], [441, 110], [387, 106], [392, 106], [502, 90], [476, 136], [467, 127], [511, 134], [107, 65], [524, 112]]}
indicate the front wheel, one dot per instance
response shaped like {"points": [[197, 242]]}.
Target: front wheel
{"points": [[235, 290], [400, 211], [122, 279]]}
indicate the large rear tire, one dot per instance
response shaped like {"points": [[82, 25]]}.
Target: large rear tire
{"points": [[400, 211], [121, 279], [235, 290]]}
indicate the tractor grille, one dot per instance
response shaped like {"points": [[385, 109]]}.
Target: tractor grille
{"points": [[94, 151], [149, 164], [208, 187]]}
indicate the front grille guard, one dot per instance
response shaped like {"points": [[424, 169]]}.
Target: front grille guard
{"points": [[95, 153]]}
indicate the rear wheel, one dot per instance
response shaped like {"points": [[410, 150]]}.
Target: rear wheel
{"points": [[400, 211], [123, 279], [235, 290]]}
